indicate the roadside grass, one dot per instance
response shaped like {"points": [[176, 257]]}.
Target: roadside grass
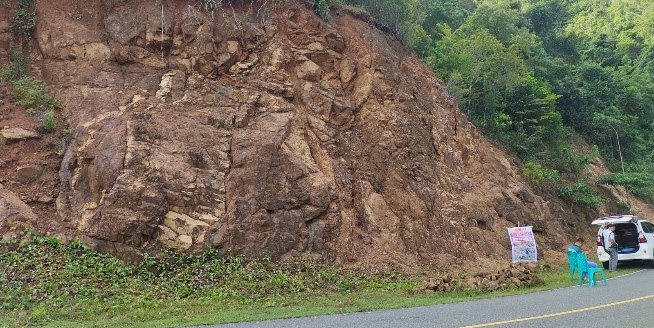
{"points": [[46, 284]]}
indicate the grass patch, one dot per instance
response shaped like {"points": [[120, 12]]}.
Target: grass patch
{"points": [[28, 91], [47, 284]]}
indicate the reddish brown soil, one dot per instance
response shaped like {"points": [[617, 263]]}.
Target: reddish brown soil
{"points": [[41, 192]]}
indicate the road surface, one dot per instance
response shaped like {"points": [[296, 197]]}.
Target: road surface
{"points": [[626, 302]]}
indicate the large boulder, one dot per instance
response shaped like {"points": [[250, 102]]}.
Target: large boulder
{"points": [[16, 217], [10, 135]]}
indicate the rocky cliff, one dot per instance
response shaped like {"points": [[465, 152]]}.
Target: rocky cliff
{"points": [[261, 130]]}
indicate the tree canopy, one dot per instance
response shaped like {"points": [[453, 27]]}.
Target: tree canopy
{"points": [[533, 74]]}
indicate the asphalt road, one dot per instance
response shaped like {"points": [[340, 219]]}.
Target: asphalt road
{"points": [[626, 302]]}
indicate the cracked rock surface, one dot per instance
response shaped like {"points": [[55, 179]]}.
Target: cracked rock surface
{"points": [[267, 132]]}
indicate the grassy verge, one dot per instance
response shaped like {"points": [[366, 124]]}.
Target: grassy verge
{"points": [[44, 283]]}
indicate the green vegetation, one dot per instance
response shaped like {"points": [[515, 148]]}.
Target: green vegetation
{"points": [[45, 280], [581, 193], [537, 174], [28, 91], [321, 7], [24, 20], [44, 283], [535, 74], [31, 92], [17, 68], [24, 89], [638, 183]]}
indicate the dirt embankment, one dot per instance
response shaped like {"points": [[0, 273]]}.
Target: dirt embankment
{"points": [[264, 131]]}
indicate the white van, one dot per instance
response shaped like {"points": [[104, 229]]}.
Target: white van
{"points": [[634, 235]]}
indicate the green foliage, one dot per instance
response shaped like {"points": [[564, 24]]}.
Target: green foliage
{"points": [[45, 280], [321, 7], [24, 19], [533, 73], [31, 92], [581, 193], [211, 5], [537, 174], [573, 162], [48, 121], [17, 67], [403, 17], [486, 63], [638, 183], [24, 89], [46, 283]]}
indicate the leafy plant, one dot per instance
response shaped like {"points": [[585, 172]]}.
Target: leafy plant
{"points": [[212, 5], [48, 121], [533, 73], [31, 92], [321, 7], [24, 19], [581, 193], [639, 184], [538, 174], [17, 67]]}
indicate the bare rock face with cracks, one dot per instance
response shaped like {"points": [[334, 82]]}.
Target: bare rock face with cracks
{"points": [[265, 131]]}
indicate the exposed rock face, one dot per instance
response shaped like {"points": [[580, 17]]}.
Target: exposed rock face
{"points": [[10, 135], [5, 32], [15, 215], [269, 134]]}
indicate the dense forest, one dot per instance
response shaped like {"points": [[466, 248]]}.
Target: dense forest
{"points": [[546, 78]]}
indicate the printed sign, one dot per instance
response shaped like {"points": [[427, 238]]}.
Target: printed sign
{"points": [[523, 245]]}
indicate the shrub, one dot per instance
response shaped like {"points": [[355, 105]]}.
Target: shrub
{"points": [[48, 121], [640, 184], [24, 19], [538, 174], [581, 193], [569, 161], [321, 7], [31, 92], [212, 5], [17, 67]]}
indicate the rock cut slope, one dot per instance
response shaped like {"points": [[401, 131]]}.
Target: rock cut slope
{"points": [[264, 131]]}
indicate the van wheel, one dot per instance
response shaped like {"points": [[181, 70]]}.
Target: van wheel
{"points": [[605, 265]]}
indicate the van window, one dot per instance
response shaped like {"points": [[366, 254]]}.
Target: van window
{"points": [[647, 227]]}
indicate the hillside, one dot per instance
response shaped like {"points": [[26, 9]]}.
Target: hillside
{"points": [[265, 132]]}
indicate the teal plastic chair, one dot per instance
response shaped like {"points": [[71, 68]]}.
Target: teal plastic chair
{"points": [[572, 262], [582, 267]]}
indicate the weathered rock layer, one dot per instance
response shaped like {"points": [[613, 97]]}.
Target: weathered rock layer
{"points": [[264, 131]]}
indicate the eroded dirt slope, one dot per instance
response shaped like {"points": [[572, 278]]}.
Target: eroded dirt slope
{"points": [[267, 132]]}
